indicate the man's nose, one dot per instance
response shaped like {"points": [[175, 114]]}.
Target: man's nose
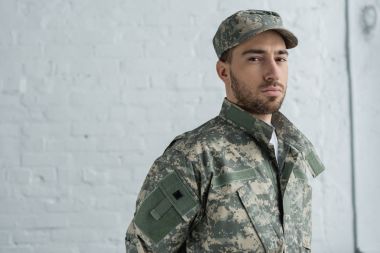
{"points": [[271, 72]]}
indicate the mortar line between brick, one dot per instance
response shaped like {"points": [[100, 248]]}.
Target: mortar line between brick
{"points": [[351, 121]]}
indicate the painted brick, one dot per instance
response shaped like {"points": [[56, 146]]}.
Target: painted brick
{"points": [[18, 175], [9, 130], [5, 238], [44, 159], [17, 249], [30, 237], [56, 248], [76, 235], [47, 221]]}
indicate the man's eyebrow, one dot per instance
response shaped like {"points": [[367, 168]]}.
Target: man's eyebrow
{"points": [[261, 51], [253, 51], [283, 51]]}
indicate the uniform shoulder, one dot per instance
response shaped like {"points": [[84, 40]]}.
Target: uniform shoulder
{"points": [[205, 135]]}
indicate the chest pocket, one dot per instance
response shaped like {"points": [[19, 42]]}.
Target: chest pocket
{"points": [[246, 208]]}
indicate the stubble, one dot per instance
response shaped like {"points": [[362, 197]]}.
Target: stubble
{"points": [[256, 103]]}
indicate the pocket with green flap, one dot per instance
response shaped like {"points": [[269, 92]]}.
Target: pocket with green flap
{"points": [[170, 204]]}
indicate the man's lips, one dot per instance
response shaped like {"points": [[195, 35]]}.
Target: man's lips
{"points": [[272, 91]]}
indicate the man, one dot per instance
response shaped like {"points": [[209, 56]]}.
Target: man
{"points": [[239, 182]]}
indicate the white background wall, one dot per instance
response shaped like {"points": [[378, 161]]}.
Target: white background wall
{"points": [[91, 92], [365, 49]]}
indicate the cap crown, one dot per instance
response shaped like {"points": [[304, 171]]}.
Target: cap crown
{"points": [[247, 23]]}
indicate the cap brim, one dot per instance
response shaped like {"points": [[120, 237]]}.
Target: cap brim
{"points": [[290, 39]]}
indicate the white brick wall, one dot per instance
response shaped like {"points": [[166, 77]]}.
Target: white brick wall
{"points": [[91, 92]]}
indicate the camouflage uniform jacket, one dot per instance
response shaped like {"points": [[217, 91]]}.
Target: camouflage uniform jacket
{"points": [[219, 188]]}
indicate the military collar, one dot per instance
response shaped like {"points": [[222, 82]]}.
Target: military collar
{"points": [[244, 120], [285, 130], [262, 132]]}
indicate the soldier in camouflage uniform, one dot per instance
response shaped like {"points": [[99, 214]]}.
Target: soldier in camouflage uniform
{"points": [[239, 182]]}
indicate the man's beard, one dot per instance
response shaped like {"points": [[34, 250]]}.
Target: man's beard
{"points": [[254, 103]]}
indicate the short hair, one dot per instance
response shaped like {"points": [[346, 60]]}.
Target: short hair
{"points": [[226, 56]]}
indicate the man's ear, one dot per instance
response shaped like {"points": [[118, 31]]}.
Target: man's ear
{"points": [[223, 70]]}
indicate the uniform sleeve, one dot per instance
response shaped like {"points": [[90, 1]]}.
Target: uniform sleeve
{"points": [[166, 206]]}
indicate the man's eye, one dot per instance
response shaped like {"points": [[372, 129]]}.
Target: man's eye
{"points": [[253, 59], [282, 59]]}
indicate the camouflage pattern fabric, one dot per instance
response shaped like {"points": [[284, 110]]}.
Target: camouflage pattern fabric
{"points": [[243, 25], [219, 188]]}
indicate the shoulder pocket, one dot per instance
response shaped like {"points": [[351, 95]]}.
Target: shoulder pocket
{"points": [[170, 203]]}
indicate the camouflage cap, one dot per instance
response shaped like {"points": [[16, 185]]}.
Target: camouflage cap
{"points": [[245, 24]]}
